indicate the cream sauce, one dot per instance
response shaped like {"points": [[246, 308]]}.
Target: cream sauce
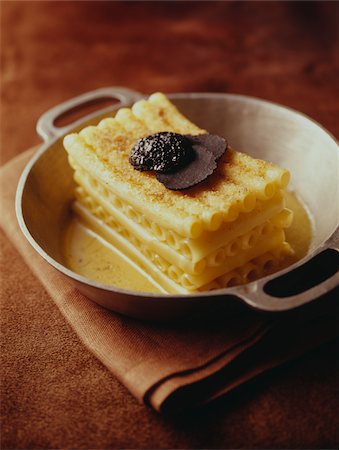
{"points": [[299, 234], [90, 256]]}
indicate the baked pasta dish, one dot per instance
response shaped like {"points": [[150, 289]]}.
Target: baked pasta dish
{"points": [[187, 209]]}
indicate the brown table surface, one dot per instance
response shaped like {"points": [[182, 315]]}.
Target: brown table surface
{"points": [[55, 394]]}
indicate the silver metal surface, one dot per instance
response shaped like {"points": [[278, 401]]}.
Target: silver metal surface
{"points": [[257, 127], [46, 127]]}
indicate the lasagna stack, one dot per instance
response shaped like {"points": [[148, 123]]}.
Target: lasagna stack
{"points": [[225, 231]]}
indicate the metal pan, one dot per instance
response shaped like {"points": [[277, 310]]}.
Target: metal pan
{"points": [[260, 128]]}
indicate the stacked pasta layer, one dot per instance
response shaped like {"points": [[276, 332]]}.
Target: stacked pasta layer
{"points": [[227, 230]]}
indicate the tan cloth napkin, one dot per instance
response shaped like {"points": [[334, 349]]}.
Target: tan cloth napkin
{"points": [[167, 366]]}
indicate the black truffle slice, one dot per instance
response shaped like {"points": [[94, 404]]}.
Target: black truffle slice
{"points": [[202, 166], [214, 143], [162, 152]]}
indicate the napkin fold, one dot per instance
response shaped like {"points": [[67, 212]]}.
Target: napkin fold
{"points": [[168, 366]]}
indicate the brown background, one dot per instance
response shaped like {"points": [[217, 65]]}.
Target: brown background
{"points": [[54, 392]]}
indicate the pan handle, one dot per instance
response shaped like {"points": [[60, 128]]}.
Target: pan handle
{"points": [[46, 127], [307, 281]]}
